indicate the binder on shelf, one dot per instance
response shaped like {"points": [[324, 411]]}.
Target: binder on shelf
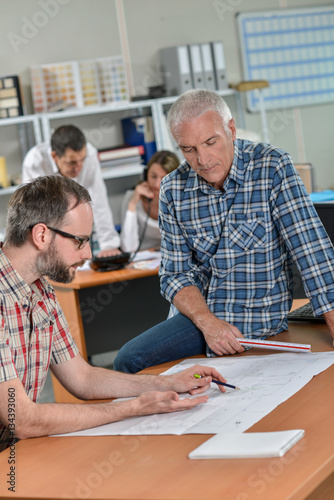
{"points": [[197, 73], [120, 153], [176, 69], [219, 65], [120, 162], [208, 68], [138, 131], [11, 97]]}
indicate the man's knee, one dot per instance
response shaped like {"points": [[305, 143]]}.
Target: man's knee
{"points": [[124, 363]]}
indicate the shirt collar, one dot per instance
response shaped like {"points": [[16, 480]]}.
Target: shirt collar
{"points": [[53, 163], [14, 286], [238, 167]]}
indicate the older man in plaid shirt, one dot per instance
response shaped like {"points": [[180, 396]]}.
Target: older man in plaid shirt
{"points": [[233, 217]]}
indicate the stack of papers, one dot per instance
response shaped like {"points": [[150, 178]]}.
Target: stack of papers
{"points": [[147, 255], [146, 259]]}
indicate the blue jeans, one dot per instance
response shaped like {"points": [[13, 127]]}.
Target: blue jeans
{"points": [[172, 339]]}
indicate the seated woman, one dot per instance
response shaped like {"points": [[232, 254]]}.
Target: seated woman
{"points": [[140, 206]]}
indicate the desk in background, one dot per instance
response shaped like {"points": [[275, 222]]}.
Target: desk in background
{"points": [[157, 467], [105, 310]]}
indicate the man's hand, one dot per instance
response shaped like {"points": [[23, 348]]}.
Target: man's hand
{"points": [[109, 252], [185, 381], [150, 403], [221, 336], [168, 401]]}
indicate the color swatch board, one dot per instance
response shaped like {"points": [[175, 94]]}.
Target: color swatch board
{"points": [[112, 78], [90, 88], [294, 50], [54, 83], [78, 83]]}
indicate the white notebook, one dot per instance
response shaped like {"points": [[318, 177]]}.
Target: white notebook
{"points": [[248, 445]]}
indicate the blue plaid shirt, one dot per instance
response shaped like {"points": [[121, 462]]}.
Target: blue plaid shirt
{"points": [[237, 246]]}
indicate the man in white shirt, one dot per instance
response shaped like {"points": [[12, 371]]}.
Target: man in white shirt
{"points": [[71, 156]]}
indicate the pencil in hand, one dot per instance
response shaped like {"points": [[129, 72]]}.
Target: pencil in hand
{"points": [[219, 383]]}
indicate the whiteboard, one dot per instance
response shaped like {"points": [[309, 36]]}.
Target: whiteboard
{"points": [[294, 50]]}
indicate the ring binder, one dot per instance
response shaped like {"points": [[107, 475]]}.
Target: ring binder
{"points": [[176, 69]]}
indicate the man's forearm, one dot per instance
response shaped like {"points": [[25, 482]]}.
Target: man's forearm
{"points": [[33, 419], [190, 302], [103, 383], [57, 418], [88, 382]]}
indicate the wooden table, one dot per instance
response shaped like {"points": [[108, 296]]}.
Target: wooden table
{"points": [[105, 310], [157, 467]]}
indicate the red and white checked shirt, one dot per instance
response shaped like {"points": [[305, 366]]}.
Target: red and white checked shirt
{"points": [[33, 333]]}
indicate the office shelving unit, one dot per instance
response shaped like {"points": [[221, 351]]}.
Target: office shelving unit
{"points": [[43, 123], [21, 120], [118, 107], [29, 134], [26, 138], [121, 108], [157, 108]]}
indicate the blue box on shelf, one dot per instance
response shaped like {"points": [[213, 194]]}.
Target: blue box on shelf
{"points": [[138, 131]]}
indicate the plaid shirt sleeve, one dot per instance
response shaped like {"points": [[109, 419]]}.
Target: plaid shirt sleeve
{"points": [[304, 235], [7, 367]]}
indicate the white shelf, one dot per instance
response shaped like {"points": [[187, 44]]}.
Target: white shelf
{"points": [[24, 119], [15, 120], [95, 110], [107, 173], [8, 191], [112, 107]]}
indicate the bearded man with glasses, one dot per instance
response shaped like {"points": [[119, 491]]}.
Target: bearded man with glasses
{"points": [[48, 228]]}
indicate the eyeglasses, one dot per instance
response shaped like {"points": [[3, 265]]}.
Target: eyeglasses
{"points": [[82, 242]]}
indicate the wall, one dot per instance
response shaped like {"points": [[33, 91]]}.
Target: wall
{"points": [[45, 31], [304, 132]]}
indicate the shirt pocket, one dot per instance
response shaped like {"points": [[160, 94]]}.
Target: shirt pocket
{"points": [[202, 240], [247, 231]]}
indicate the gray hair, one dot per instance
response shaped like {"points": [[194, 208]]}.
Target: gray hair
{"points": [[45, 199], [194, 103]]}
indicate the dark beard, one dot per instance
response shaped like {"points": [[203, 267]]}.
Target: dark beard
{"points": [[50, 264]]}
